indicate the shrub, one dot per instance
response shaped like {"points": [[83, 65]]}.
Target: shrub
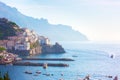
{"points": [[2, 49]]}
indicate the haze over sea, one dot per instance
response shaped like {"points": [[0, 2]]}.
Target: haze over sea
{"points": [[90, 58]]}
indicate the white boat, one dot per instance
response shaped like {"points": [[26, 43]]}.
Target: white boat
{"points": [[28, 72]]}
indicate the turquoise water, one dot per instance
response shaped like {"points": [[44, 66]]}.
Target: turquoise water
{"points": [[90, 58]]}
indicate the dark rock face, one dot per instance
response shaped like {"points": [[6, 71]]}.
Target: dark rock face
{"points": [[57, 48], [36, 50]]}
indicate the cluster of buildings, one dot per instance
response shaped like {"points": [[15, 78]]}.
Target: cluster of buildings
{"points": [[23, 40], [6, 57]]}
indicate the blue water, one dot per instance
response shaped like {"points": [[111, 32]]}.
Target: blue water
{"points": [[91, 58]]}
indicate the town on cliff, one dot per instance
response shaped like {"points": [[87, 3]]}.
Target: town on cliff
{"points": [[23, 42]]}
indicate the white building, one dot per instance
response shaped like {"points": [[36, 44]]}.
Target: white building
{"points": [[25, 46], [44, 41]]}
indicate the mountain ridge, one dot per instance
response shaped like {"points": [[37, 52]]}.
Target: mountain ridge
{"points": [[57, 32]]}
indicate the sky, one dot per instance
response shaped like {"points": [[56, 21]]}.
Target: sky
{"points": [[97, 19]]}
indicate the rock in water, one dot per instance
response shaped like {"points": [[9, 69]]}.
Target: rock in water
{"points": [[57, 48]]}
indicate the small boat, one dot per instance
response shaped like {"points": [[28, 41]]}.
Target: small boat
{"points": [[110, 76], [45, 65], [28, 72], [112, 56], [38, 72], [47, 74]]}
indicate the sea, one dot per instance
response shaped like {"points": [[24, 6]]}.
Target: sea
{"points": [[91, 58]]}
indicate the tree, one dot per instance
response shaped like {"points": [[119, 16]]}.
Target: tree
{"points": [[2, 49]]}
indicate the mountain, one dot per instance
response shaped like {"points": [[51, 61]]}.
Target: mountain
{"points": [[8, 28], [41, 26]]}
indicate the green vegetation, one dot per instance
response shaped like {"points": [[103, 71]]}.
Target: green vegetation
{"points": [[5, 76], [33, 45], [8, 28], [1, 57], [2, 49]]}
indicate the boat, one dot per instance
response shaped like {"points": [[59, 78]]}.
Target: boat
{"points": [[38, 72], [47, 74], [112, 56], [28, 72], [45, 65]]}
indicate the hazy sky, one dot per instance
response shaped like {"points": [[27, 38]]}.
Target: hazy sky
{"points": [[98, 19]]}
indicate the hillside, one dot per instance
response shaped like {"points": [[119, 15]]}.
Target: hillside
{"points": [[7, 28], [41, 26]]}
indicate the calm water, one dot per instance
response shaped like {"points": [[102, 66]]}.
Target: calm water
{"points": [[91, 58]]}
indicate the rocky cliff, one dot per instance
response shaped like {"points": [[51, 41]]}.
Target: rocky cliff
{"points": [[57, 48], [36, 50]]}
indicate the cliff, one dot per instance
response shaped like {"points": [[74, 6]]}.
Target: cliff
{"points": [[36, 50], [57, 48]]}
